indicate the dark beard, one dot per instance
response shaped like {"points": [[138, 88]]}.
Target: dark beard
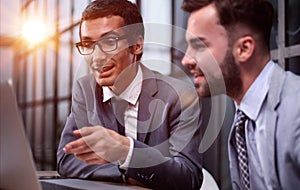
{"points": [[231, 74]]}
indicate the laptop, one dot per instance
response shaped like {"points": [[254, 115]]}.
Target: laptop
{"points": [[17, 168]]}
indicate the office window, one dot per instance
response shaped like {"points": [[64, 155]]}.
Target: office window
{"points": [[285, 39], [158, 34]]}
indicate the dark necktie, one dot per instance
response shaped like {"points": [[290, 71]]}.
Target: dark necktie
{"points": [[109, 113], [241, 149], [119, 106]]}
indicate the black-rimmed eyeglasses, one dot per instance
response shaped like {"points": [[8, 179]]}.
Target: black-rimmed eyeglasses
{"points": [[106, 45]]}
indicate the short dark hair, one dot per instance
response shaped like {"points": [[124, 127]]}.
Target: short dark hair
{"points": [[123, 8], [255, 14]]}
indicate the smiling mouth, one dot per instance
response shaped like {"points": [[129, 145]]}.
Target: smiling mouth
{"points": [[106, 68], [198, 74], [102, 69]]}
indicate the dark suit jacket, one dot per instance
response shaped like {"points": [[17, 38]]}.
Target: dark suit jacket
{"points": [[165, 154]]}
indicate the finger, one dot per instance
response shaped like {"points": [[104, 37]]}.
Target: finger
{"points": [[85, 131], [85, 156], [90, 158], [77, 146], [77, 133]]}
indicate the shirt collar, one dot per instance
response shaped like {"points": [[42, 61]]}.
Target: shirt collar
{"points": [[131, 93], [255, 95]]}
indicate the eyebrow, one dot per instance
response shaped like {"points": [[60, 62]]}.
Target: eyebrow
{"points": [[87, 38], [198, 39]]}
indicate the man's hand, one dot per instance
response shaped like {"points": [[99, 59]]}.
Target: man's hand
{"points": [[98, 145]]}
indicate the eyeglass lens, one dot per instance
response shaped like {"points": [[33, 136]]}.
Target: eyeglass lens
{"points": [[106, 45]]}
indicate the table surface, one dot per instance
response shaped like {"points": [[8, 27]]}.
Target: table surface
{"points": [[53, 176]]}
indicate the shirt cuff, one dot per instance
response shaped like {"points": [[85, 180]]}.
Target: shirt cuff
{"points": [[125, 164]]}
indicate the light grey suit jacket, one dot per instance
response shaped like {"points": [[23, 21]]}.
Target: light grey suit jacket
{"points": [[165, 154], [280, 154]]}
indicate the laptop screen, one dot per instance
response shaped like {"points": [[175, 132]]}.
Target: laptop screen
{"points": [[17, 169]]}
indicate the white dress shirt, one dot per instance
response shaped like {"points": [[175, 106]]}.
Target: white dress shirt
{"points": [[131, 95]]}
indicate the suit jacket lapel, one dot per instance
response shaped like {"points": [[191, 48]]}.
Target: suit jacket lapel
{"points": [[273, 100], [105, 112], [145, 115], [235, 177]]}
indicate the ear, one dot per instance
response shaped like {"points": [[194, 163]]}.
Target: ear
{"points": [[244, 48], [138, 47]]}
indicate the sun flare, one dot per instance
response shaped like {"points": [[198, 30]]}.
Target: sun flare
{"points": [[34, 31]]}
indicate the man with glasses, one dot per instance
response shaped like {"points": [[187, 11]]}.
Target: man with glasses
{"points": [[127, 123]]}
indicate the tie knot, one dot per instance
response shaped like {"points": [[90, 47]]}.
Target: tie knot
{"points": [[241, 114], [241, 118], [119, 106]]}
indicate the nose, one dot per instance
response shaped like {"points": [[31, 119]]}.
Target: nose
{"points": [[98, 54], [188, 61], [98, 58]]}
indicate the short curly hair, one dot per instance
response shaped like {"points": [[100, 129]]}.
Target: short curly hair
{"points": [[123, 8]]}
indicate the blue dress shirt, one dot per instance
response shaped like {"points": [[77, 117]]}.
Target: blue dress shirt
{"points": [[251, 105]]}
